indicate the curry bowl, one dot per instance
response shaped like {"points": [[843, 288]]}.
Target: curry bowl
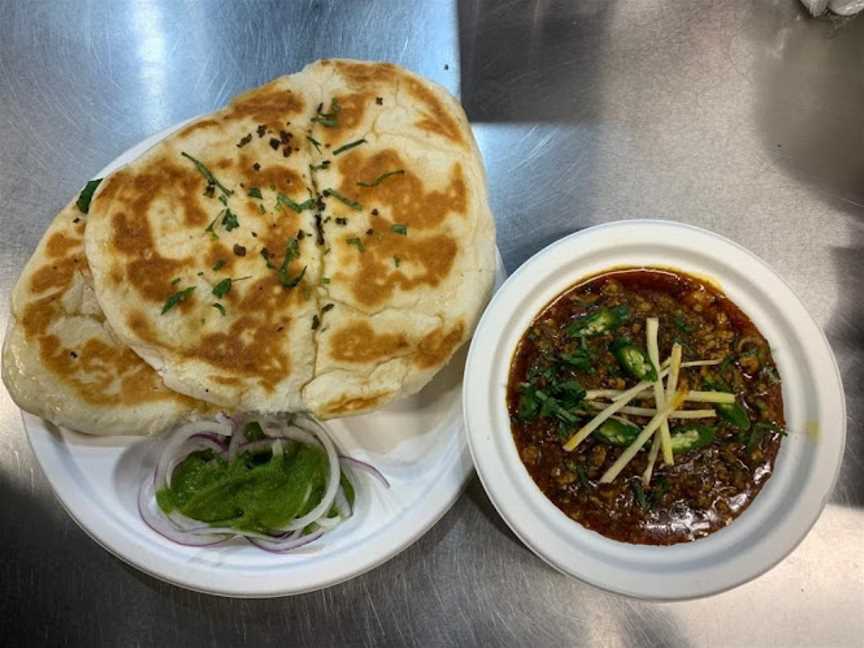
{"points": [[737, 548]]}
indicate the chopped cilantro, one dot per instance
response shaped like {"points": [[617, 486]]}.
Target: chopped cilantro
{"points": [[287, 280], [229, 220], [220, 263], [639, 494], [220, 308], [282, 199], [212, 232], [86, 195], [314, 142], [381, 178], [353, 204], [399, 229], [222, 288], [265, 254], [254, 192], [292, 252], [348, 146], [176, 298], [356, 242], [204, 171]]}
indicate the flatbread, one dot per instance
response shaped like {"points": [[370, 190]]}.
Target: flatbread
{"points": [[61, 361], [394, 275], [155, 229], [409, 294]]}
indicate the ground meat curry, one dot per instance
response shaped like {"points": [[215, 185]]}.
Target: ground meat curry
{"points": [[590, 343]]}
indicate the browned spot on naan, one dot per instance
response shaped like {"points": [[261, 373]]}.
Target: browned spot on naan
{"points": [[55, 274], [401, 199], [363, 75], [385, 76], [348, 405], [226, 380], [149, 272], [218, 252], [98, 372], [351, 110], [204, 124], [250, 347], [153, 277], [60, 245], [281, 178], [438, 346], [436, 119], [268, 104], [358, 342]]}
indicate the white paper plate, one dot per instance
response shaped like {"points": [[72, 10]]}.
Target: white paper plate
{"points": [[806, 467], [418, 443]]}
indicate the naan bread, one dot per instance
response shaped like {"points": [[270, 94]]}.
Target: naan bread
{"points": [[409, 294], [155, 230], [61, 360], [365, 291]]}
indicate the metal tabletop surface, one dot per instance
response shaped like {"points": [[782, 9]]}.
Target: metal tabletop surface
{"points": [[743, 117]]}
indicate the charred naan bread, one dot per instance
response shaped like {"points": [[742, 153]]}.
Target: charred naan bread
{"points": [[412, 239], [323, 243], [204, 253], [61, 360]]}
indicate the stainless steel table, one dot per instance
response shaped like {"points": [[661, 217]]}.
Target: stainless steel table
{"points": [[743, 117]]}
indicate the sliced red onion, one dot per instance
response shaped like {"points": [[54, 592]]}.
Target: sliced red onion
{"points": [[342, 504], [256, 446], [237, 438], [329, 523], [177, 439], [195, 443], [332, 480], [221, 441], [152, 515], [365, 467], [283, 546], [209, 435]]}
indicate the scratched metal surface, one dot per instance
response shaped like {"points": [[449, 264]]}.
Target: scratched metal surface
{"points": [[742, 117]]}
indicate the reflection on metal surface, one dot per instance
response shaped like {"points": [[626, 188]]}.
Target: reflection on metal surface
{"points": [[148, 30], [738, 116]]}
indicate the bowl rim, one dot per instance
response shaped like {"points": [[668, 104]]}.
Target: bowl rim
{"points": [[768, 530]]}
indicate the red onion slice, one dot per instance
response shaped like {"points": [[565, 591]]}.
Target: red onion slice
{"points": [[365, 467], [283, 546], [210, 435], [342, 504], [177, 439], [152, 515], [332, 480], [195, 443]]}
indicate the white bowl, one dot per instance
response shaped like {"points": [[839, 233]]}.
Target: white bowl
{"points": [[806, 466]]}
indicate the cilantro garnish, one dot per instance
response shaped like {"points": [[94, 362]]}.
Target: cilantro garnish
{"points": [[229, 220], [353, 204], [348, 146], [86, 195], [208, 176], [176, 298], [356, 242], [381, 178]]}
